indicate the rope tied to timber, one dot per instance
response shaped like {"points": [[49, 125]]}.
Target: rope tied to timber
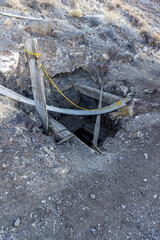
{"points": [[109, 107]]}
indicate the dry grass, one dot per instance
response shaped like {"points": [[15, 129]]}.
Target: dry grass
{"points": [[112, 5], [128, 9], [15, 4], [148, 30], [112, 17], [135, 18], [8, 22], [6, 111], [77, 13], [145, 29], [124, 112], [143, 55], [139, 21], [156, 36], [76, 4], [49, 2], [52, 3], [117, 3]]}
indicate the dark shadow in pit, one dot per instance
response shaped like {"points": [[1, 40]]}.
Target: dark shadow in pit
{"points": [[83, 126]]}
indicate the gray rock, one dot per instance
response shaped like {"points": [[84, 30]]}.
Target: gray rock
{"points": [[107, 33], [150, 90], [94, 21], [42, 28], [93, 230], [116, 88], [1, 150], [123, 207], [92, 196], [6, 238], [17, 222], [99, 227]]}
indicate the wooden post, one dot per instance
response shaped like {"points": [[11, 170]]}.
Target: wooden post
{"points": [[98, 120], [37, 80]]}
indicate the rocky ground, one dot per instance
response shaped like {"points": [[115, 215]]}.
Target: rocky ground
{"points": [[69, 191]]}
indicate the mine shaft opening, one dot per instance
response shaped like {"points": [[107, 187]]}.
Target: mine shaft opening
{"points": [[83, 126]]}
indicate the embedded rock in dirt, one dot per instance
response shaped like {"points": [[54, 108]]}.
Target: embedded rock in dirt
{"points": [[41, 28]]}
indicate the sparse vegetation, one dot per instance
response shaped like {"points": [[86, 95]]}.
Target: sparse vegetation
{"points": [[124, 112], [137, 21], [144, 30], [5, 111], [8, 22], [151, 38], [77, 13], [112, 17], [51, 3], [156, 36], [117, 3], [15, 3], [143, 55]]}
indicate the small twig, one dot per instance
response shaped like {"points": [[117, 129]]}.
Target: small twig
{"points": [[98, 150], [66, 139]]}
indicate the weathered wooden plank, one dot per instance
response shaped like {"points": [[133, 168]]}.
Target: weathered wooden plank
{"points": [[98, 120], [22, 17], [95, 93], [37, 80], [60, 132], [15, 96]]}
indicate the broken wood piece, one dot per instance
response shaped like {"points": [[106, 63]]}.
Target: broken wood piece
{"points": [[22, 17], [37, 80], [98, 150], [98, 120], [95, 93], [66, 139], [60, 132], [15, 96]]}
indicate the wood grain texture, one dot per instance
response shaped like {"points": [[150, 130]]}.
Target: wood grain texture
{"points": [[37, 80], [15, 96]]}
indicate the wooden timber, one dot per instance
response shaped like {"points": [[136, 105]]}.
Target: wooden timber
{"points": [[98, 120], [15, 96], [37, 80], [95, 93]]}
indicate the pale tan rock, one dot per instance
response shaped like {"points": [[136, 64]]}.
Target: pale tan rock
{"points": [[42, 28], [8, 22]]}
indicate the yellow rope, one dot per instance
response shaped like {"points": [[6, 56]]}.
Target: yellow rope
{"points": [[35, 54], [115, 104]]}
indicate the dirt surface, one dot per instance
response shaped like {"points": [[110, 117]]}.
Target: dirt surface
{"points": [[69, 191]]}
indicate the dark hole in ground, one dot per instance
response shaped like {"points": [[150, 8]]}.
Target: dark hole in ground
{"points": [[83, 126]]}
